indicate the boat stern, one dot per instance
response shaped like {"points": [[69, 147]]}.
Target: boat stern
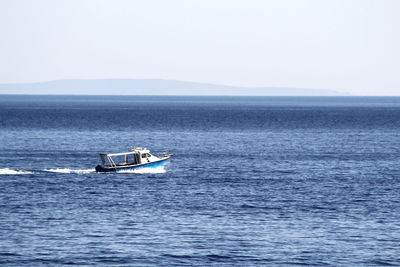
{"points": [[100, 168]]}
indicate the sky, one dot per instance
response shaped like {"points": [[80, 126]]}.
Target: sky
{"points": [[350, 46]]}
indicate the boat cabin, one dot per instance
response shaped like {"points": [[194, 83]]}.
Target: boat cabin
{"points": [[135, 157]]}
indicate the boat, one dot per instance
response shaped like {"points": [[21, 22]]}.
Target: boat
{"points": [[134, 159]]}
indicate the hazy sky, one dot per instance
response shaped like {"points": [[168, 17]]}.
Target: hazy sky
{"points": [[350, 46]]}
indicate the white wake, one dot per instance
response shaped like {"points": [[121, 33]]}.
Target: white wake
{"points": [[159, 169], [63, 170], [11, 171], [66, 170]]}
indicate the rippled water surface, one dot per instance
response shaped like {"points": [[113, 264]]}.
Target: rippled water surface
{"points": [[253, 181]]}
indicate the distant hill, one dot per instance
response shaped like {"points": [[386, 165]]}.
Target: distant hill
{"points": [[153, 87]]}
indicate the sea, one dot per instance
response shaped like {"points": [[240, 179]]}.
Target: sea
{"points": [[254, 181]]}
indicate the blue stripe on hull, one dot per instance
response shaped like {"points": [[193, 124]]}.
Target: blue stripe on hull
{"points": [[148, 165]]}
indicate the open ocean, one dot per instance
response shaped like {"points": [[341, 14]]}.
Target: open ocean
{"points": [[253, 181]]}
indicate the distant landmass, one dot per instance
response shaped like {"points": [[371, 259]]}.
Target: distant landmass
{"points": [[153, 87]]}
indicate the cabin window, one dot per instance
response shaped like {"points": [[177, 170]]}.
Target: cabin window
{"points": [[145, 155], [131, 158]]}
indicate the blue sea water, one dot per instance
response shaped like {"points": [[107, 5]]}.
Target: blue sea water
{"points": [[253, 181]]}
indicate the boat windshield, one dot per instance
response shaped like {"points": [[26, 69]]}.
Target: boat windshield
{"points": [[120, 159]]}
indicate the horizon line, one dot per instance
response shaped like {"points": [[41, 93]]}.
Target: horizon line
{"points": [[197, 95]]}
